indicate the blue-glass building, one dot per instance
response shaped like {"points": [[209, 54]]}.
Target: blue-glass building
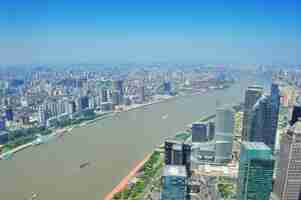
{"points": [[174, 183], [9, 114]]}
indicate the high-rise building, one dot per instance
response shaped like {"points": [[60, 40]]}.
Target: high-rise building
{"points": [[104, 95], [255, 174], [83, 102], [211, 130], [252, 94], [174, 183], [116, 99], [224, 124], [261, 129], [178, 153], [2, 124], [199, 132], [119, 91], [42, 115], [275, 106], [264, 118], [167, 87], [142, 93], [288, 179], [9, 114]]}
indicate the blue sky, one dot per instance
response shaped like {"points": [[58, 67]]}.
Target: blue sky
{"points": [[58, 31]]}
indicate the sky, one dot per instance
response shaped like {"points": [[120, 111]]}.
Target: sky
{"points": [[200, 31]]}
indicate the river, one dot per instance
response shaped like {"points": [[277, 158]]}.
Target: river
{"points": [[112, 146]]}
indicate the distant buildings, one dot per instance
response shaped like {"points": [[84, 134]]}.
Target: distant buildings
{"points": [[288, 179], [83, 102], [2, 124], [104, 95], [167, 87], [174, 183], [255, 175], [9, 114], [252, 94], [3, 137], [118, 92], [199, 132]]}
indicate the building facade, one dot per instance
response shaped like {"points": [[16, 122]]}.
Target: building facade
{"points": [[224, 124], [255, 174], [174, 183], [288, 178], [199, 132], [178, 153], [252, 94]]}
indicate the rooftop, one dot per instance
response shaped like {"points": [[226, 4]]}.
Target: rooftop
{"points": [[255, 146], [255, 87], [174, 170]]}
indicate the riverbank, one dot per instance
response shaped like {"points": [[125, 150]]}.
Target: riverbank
{"points": [[60, 132], [119, 190]]}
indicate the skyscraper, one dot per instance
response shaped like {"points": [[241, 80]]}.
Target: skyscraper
{"points": [[275, 106], [261, 123], [211, 130], [174, 183], [288, 178], [178, 153], [252, 94], [264, 118], [224, 124], [118, 90], [167, 87], [255, 174], [199, 132], [104, 95]]}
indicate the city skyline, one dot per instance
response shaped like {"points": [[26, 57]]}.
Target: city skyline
{"points": [[261, 32]]}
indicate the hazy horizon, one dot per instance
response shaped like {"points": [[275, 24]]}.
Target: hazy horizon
{"points": [[258, 32]]}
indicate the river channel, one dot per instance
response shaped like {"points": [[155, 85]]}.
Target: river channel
{"points": [[112, 146]]}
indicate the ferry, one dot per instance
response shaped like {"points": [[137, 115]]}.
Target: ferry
{"points": [[84, 165], [165, 116]]}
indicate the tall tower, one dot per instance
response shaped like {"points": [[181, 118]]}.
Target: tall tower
{"points": [[199, 132], [178, 153], [288, 178], [252, 94], [224, 124], [262, 122], [255, 174], [275, 105], [119, 90]]}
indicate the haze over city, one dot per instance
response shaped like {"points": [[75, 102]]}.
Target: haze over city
{"points": [[64, 32], [150, 100]]}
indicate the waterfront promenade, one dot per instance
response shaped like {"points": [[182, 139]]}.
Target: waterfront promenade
{"points": [[124, 182]]}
